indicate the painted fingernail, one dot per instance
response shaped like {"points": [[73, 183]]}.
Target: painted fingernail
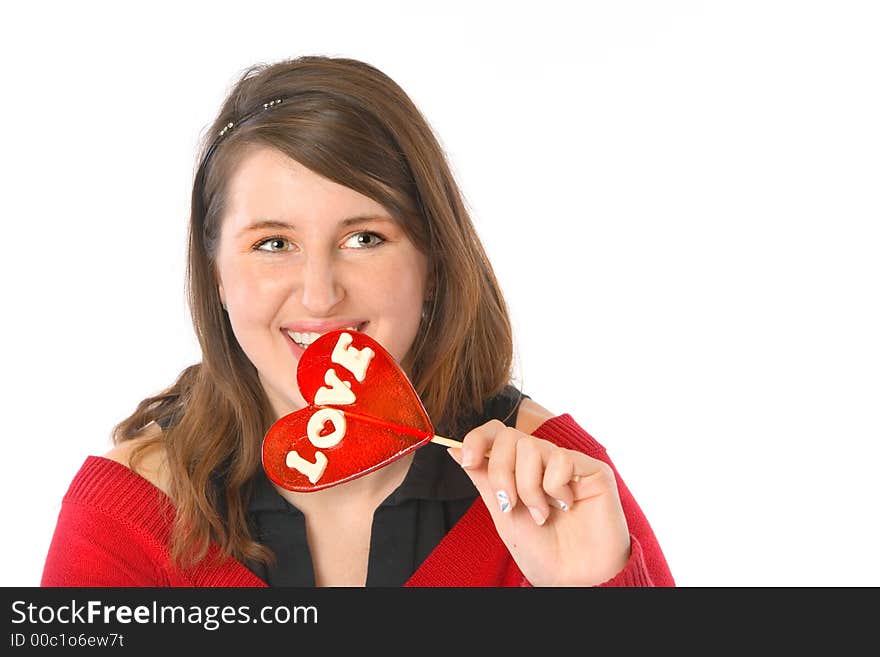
{"points": [[503, 501], [562, 505], [537, 515]]}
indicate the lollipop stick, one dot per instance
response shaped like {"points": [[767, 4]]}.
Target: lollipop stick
{"points": [[446, 442], [449, 442]]}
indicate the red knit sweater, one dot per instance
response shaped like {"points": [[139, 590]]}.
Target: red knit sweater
{"points": [[114, 527]]}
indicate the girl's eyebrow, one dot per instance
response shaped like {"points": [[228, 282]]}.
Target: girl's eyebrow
{"points": [[263, 224], [366, 218]]}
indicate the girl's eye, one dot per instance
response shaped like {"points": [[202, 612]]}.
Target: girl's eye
{"points": [[363, 240], [274, 244]]}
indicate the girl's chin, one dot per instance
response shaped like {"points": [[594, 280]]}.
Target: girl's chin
{"points": [[285, 404], [291, 405]]}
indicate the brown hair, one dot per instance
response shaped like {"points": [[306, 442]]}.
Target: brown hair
{"points": [[352, 124]]}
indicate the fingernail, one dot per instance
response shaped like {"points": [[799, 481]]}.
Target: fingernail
{"points": [[562, 505], [467, 457], [537, 515], [503, 501]]}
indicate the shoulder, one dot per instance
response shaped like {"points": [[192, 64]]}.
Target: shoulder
{"points": [[531, 415], [151, 463]]}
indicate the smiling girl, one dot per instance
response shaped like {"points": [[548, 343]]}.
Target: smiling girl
{"points": [[322, 200]]}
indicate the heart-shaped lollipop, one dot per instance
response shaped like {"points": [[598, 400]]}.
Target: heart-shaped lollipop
{"points": [[363, 414]]}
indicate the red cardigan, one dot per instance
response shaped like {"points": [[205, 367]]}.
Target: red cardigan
{"points": [[114, 526]]}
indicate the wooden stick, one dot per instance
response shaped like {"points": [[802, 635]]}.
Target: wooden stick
{"points": [[449, 442]]}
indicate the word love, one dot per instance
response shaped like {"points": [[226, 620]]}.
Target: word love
{"points": [[338, 392], [363, 413]]}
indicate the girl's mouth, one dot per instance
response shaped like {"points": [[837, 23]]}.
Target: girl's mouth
{"points": [[303, 339]]}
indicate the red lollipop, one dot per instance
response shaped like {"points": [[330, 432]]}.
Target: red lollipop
{"points": [[363, 414]]}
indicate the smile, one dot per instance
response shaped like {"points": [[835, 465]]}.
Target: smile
{"points": [[304, 338]]}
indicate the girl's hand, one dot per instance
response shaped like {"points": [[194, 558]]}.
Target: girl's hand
{"points": [[560, 532]]}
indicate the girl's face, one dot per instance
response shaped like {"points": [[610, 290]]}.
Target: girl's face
{"points": [[300, 255]]}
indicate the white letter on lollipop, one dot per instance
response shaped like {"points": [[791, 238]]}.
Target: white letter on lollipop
{"points": [[316, 423], [338, 393], [311, 470], [352, 359]]}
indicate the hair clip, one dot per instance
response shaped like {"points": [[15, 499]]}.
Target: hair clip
{"points": [[229, 126]]}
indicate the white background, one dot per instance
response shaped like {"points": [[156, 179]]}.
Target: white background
{"points": [[680, 199]]}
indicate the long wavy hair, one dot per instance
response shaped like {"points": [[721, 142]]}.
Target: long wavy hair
{"points": [[349, 122]]}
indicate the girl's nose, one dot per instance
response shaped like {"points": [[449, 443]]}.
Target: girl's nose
{"points": [[321, 290]]}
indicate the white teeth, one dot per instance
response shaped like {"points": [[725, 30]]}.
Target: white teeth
{"points": [[305, 339]]}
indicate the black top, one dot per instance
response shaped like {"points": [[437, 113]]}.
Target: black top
{"points": [[407, 526]]}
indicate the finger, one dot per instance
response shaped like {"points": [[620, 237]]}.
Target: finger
{"points": [[455, 453], [558, 475], [474, 459], [530, 478], [595, 478], [478, 442], [501, 467], [480, 479]]}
